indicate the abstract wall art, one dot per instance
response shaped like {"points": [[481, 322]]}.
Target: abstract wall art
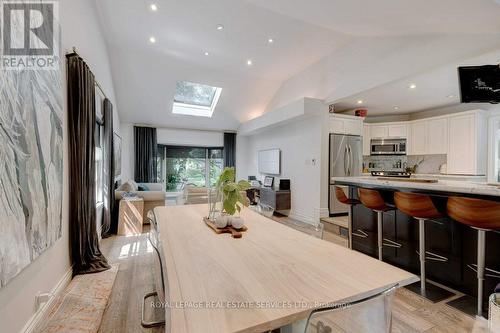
{"points": [[31, 165]]}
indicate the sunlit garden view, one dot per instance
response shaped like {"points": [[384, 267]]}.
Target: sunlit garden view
{"points": [[197, 166]]}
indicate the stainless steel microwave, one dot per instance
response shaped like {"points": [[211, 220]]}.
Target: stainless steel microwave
{"points": [[388, 147]]}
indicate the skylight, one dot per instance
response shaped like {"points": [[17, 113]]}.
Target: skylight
{"points": [[194, 99]]}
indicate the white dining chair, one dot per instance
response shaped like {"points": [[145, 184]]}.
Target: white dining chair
{"points": [[160, 276]]}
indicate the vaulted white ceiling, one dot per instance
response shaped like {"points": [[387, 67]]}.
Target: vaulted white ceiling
{"points": [[304, 32]]}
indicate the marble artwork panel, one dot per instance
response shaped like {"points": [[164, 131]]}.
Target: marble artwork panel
{"points": [[31, 166]]}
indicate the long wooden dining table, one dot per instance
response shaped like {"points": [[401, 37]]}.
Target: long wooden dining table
{"points": [[271, 277]]}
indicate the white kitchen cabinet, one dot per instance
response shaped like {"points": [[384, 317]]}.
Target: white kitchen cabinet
{"points": [[366, 140], [379, 131], [397, 131], [350, 125], [437, 136], [353, 127], [467, 143], [417, 144]]}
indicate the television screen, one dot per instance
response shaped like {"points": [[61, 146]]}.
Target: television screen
{"points": [[480, 84], [270, 161]]}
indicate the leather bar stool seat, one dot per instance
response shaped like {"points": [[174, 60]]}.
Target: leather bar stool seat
{"points": [[421, 208], [482, 215], [341, 197], [373, 200]]}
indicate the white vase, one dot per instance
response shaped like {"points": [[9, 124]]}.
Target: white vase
{"points": [[237, 222], [221, 221]]}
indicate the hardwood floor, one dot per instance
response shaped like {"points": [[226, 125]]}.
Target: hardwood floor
{"points": [[411, 312], [134, 279]]}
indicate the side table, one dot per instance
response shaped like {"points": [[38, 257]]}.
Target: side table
{"points": [[130, 216]]}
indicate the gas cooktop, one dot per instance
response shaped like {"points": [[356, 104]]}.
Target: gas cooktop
{"points": [[398, 174]]}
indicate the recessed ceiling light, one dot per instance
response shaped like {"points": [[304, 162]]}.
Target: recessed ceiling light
{"points": [[396, 108], [360, 102], [153, 7], [206, 53], [152, 40], [270, 40], [450, 96], [412, 86], [220, 27], [249, 62]]}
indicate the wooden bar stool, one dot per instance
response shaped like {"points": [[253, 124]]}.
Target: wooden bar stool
{"points": [[341, 197], [482, 215], [421, 208], [373, 200]]}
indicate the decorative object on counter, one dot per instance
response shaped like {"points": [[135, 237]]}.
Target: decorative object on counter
{"points": [[331, 108], [396, 174], [226, 203], [411, 180], [268, 181]]}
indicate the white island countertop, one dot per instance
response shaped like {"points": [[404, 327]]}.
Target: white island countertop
{"points": [[442, 185]]}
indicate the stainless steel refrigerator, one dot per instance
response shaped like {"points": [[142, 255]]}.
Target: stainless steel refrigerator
{"points": [[346, 160]]}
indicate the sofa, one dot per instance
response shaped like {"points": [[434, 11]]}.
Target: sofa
{"points": [[153, 194]]}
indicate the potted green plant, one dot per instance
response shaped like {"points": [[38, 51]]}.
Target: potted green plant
{"points": [[229, 200]]}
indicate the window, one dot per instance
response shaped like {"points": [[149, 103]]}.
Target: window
{"points": [[199, 166], [195, 99], [99, 165]]}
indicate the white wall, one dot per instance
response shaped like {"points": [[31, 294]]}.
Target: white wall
{"points": [[166, 136], [17, 299], [300, 144]]}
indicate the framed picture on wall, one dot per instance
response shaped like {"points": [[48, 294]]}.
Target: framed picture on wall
{"points": [[268, 181]]}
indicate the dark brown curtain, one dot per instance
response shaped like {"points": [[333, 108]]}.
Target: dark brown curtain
{"points": [[84, 241], [229, 150], [146, 154], [109, 169]]}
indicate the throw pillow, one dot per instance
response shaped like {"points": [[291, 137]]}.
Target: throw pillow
{"points": [[142, 187], [126, 187]]}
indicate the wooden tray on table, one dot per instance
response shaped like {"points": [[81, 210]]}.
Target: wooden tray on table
{"points": [[236, 233]]}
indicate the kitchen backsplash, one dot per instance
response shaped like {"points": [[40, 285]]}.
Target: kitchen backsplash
{"points": [[426, 164]]}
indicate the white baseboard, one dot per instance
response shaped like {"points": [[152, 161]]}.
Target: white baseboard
{"points": [[302, 218], [41, 312], [322, 212]]}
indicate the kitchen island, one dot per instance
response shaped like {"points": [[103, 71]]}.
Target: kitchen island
{"points": [[452, 242]]}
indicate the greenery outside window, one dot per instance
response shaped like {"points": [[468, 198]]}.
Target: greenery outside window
{"points": [[199, 166]]}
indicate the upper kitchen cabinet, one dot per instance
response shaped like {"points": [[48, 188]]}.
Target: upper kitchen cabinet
{"points": [[417, 143], [345, 124], [437, 136], [366, 139], [379, 131], [467, 143], [398, 131], [428, 136], [388, 131]]}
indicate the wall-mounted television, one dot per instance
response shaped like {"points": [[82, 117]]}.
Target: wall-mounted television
{"points": [[480, 84], [270, 161]]}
